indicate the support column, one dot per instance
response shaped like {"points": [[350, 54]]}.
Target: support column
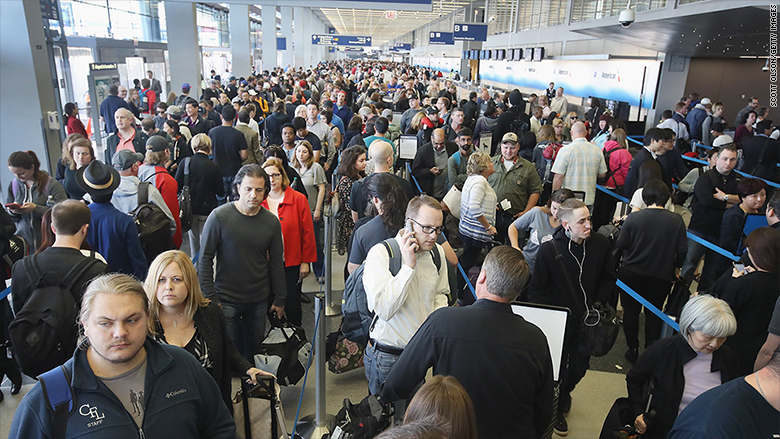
{"points": [[308, 48], [27, 83], [269, 37], [184, 55], [288, 57], [240, 44], [301, 40], [671, 85]]}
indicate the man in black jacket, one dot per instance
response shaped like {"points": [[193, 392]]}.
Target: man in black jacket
{"points": [[471, 111], [126, 136], [714, 192], [515, 398], [654, 146], [573, 270], [504, 122], [430, 164], [761, 152]]}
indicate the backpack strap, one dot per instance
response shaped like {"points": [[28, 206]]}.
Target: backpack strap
{"points": [[186, 171], [396, 261], [143, 192], [59, 398], [158, 172], [77, 272], [32, 269]]}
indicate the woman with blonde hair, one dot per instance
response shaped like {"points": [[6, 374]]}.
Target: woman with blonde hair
{"points": [[292, 209], [445, 399], [63, 162], [179, 315], [314, 180], [557, 125], [477, 212], [568, 121]]}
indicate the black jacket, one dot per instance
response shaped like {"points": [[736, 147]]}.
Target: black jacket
{"points": [[205, 183], [139, 143], [424, 161], [707, 212], [504, 125], [549, 286], [632, 177], [470, 114], [227, 361], [663, 363], [751, 151]]}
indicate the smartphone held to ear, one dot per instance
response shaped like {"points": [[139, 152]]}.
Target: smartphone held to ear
{"points": [[409, 227]]}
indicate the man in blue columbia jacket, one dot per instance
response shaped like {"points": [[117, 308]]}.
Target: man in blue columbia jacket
{"points": [[124, 383]]}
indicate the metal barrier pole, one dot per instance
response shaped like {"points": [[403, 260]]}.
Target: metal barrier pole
{"points": [[318, 424], [331, 309]]}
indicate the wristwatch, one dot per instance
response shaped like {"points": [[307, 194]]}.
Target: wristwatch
{"points": [[726, 198]]}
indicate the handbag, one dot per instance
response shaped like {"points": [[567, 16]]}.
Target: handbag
{"points": [[185, 200], [599, 329], [347, 355], [284, 352], [452, 200], [258, 412]]}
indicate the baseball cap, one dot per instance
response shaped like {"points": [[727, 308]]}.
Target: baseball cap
{"points": [[185, 86], [156, 144], [411, 94], [125, 159], [509, 137], [387, 112], [722, 141], [432, 110], [706, 101], [173, 110], [232, 78]]}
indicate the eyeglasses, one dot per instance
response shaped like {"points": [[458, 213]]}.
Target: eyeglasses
{"points": [[277, 175], [428, 229]]}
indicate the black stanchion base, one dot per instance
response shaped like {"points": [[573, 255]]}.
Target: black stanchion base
{"points": [[307, 427]]}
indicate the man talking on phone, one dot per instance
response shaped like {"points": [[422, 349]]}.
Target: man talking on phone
{"points": [[402, 301]]}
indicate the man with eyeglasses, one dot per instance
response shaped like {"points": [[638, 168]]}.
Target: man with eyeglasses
{"points": [[403, 301]]}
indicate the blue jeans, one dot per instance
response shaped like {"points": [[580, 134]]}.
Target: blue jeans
{"points": [[246, 325], [378, 365], [227, 182]]}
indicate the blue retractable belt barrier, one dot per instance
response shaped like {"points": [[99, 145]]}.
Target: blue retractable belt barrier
{"points": [[460, 268], [5, 293], [744, 174], [195, 259], [633, 139], [308, 364], [609, 192], [649, 306]]}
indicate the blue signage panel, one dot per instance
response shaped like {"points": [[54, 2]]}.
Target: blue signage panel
{"points": [[470, 32], [281, 43], [441, 38], [340, 40]]}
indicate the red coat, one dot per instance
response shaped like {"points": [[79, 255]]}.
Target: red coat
{"points": [[297, 228]]}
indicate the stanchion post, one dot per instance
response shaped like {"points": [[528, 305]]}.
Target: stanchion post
{"points": [[331, 309], [318, 424]]}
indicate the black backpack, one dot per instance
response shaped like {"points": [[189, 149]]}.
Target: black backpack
{"points": [[44, 332], [519, 127], [185, 200], [361, 421], [153, 225]]}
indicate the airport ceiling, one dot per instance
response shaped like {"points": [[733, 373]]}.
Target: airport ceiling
{"points": [[723, 34], [383, 28]]}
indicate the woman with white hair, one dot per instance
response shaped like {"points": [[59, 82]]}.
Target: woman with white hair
{"points": [[684, 366]]}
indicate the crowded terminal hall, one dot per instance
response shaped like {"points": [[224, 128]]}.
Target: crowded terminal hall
{"points": [[426, 219]]}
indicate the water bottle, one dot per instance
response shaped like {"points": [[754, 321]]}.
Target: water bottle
{"points": [[50, 201]]}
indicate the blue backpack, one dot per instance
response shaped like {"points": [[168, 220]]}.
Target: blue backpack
{"points": [[358, 319], [59, 398]]}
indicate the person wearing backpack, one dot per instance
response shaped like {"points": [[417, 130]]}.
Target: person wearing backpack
{"points": [[154, 171], [148, 99], [402, 301], [61, 265], [513, 120]]}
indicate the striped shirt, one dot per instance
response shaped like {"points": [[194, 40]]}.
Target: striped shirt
{"points": [[478, 199]]}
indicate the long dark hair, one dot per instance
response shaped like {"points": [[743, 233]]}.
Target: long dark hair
{"points": [[393, 198], [28, 160], [348, 160], [69, 107]]}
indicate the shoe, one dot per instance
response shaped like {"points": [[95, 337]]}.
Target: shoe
{"points": [[631, 355], [561, 428], [305, 298]]}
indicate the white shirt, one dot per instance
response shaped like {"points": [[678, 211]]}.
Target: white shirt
{"points": [[402, 303], [679, 129]]}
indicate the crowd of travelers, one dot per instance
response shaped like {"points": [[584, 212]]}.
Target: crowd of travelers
{"points": [[513, 187]]}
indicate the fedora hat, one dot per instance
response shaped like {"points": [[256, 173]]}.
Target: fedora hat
{"points": [[98, 178]]}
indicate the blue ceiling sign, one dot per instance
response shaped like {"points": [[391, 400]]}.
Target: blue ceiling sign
{"points": [[441, 38], [340, 40], [470, 32], [281, 43]]}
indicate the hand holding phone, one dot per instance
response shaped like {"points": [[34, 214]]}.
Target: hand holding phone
{"points": [[409, 245], [13, 206]]}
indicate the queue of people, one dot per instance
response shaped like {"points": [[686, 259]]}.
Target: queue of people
{"points": [[263, 167]]}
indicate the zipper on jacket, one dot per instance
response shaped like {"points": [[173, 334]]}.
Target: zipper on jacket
{"points": [[141, 433]]}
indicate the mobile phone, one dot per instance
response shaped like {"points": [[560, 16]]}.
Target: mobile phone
{"points": [[739, 266], [13, 206], [408, 226]]}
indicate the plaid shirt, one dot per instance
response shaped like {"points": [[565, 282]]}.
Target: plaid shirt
{"points": [[580, 162]]}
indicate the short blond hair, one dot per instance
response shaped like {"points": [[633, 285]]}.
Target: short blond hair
{"points": [[478, 162], [201, 143]]}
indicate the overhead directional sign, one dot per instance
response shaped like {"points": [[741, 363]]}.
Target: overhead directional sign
{"points": [[340, 40], [441, 38], [470, 32], [401, 47]]}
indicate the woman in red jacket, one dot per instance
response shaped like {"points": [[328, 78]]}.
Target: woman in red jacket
{"points": [[72, 121], [158, 157], [292, 209]]}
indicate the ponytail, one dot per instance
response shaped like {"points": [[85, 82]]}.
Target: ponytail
{"points": [[29, 160]]}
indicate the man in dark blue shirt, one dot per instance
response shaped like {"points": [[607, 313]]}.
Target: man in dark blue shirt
{"points": [[108, 107]]}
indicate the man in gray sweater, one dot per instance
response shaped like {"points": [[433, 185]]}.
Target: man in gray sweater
{"points": [[246, 239]]}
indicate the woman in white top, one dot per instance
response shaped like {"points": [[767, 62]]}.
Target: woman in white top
{"points": [[313, 179], [477, 211], [649, 170]]}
